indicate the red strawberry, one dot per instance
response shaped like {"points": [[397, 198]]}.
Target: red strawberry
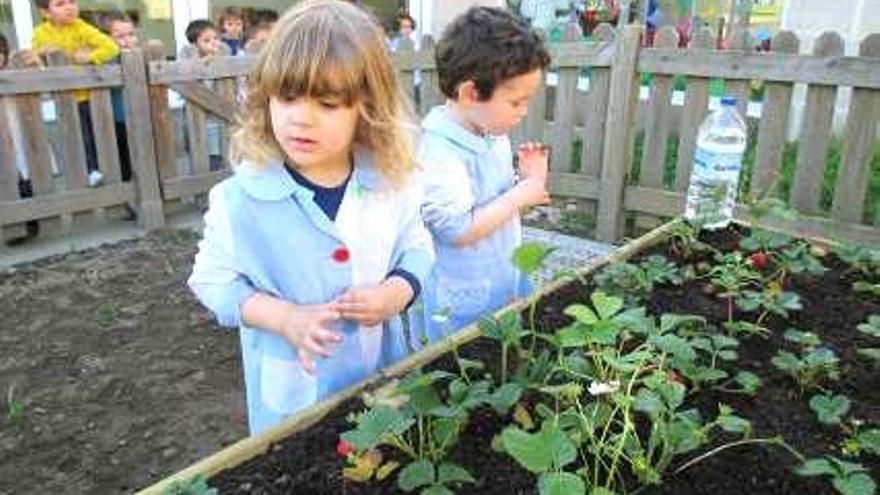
{"points": [[343, 448], [759, 260]]}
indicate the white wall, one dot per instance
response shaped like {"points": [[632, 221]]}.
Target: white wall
{"points": [[852, 19]]}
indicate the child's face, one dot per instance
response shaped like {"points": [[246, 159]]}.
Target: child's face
{"points": [[208, 43], [507, 106], [61, 11], [123, 34], [232, 27], [314, 133], [405, 27]]}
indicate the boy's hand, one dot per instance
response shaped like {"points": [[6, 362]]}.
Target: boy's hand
{"points": [[370, 305], [306, 328], [532, 191], [533, 158]]}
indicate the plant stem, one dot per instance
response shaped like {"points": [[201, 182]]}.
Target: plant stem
{"points": [[757, 441], [503, 363]]}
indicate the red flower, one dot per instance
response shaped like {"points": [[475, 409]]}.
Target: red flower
{"points": [[759, 260], [343, 448], [341, 254]]}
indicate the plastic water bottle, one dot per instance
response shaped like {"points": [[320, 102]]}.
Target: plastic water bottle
{"points": [[721, 142]]}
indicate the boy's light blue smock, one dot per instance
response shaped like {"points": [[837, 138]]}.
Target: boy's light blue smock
{"points": [[462, 172], [264, 233]]}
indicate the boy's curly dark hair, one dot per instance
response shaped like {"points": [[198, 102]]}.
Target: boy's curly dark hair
{"points": [[487, 45]]}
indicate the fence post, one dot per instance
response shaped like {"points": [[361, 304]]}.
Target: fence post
{"points": [[141, 144], [621, 103]]}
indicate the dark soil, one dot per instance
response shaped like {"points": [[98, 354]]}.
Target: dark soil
{"points": [[307, 463], [118, 377]]}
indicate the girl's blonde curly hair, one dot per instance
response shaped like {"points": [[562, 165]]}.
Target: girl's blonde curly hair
{"points": [[329, 47]]}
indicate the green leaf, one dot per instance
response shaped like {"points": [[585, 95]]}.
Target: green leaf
{"points": [[607, 306], [806, 339], [576, 335], [830, 409], [581, 313], [675, 345], [872, 353], [561, 484], [374, 425], [648, 402], [816, 467], [437, 490], [415, 474], [872, 327], [870, 441], [539, 452], [732, 423], [530, 256], [505, 397], [857, 484], [448, 473], [786, 361], [748, 381]]}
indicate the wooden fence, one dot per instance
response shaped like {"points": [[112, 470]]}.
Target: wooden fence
{"points": [[629, 157]]}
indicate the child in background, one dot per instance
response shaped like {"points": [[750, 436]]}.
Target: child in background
{"points": [[231, 27], [203, 41], [489, 64], [121, 29], [256, 37], [315, 244], [9, 112], [83, 44]]}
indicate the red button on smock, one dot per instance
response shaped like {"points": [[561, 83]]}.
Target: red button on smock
{"points": [[341, 254]]}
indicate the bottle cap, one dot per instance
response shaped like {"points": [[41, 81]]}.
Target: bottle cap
{"points": [[728, 101]]}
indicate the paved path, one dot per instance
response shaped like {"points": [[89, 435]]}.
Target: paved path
{"points": [[571, 251]]}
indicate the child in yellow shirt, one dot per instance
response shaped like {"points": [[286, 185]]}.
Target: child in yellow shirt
{"points": [[82, 44]]}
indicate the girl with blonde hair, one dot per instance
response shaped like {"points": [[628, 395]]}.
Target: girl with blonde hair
{"points": [[315, 245]]}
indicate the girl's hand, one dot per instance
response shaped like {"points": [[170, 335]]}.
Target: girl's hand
{"points": [[533, 158], [306, 327], [370, 305]]}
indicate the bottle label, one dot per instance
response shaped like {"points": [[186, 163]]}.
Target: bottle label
{"points": [[709, 161]]}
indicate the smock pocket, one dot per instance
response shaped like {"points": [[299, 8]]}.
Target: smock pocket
{"points": [[463, 296], [285, 387]]}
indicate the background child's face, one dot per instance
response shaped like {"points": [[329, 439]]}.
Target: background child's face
{"points": [[405, 27], [208, 43], [61, 11], [507, 106], [123, 34], [232, 27], [314, 132]]}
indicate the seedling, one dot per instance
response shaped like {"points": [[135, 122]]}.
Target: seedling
{"points": [[872, 327], [859, 442], [811, 368], [769, 301], [848, 478], [830, 409], [733, 275], [860, 259], [197, 485], [107, 314], [684, 241], [796, 259], [15, 408], [635, 282]]}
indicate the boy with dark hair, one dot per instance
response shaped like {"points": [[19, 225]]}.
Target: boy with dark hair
{"points": [[82, 44], [204, 41], [489, 64]]}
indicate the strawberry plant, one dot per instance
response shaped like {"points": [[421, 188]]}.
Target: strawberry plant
{"points": [[810, 368], [830, 409], [848, 478]]}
